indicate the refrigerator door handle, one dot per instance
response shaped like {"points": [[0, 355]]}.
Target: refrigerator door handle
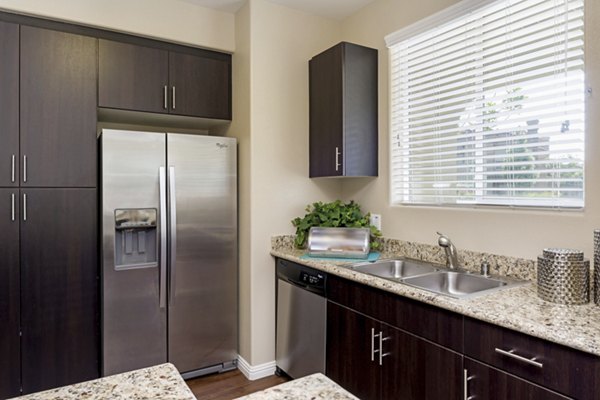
{"points": [[173, 232], [162, 282]]}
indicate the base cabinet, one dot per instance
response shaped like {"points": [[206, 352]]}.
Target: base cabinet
{"points": [[484, 382], [350, 352], [373, 360], [426, 352]]}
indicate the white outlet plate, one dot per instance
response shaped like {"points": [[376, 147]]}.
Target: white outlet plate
{"points": [[376, 220]]}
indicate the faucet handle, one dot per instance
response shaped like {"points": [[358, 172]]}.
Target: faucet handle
{"points": [[443, 240]]}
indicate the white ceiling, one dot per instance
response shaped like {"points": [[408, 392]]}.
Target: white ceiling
{"points": [[337, 9]]}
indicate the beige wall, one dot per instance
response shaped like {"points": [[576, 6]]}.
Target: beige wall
{"points": [[172, 20], [240, 128], [274, 45], [511, 232]]}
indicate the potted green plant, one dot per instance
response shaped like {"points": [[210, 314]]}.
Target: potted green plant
{"points": [[335, 214]]}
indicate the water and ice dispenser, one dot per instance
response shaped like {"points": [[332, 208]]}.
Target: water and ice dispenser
{"points": [[136, 238]]}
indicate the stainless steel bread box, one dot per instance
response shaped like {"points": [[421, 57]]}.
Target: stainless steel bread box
{"points": [[339, 242]]}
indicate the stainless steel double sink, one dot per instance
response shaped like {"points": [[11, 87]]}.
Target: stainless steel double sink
{"points": [[435, 278]]}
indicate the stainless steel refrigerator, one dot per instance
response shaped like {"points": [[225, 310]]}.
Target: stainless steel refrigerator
{"points": [[169, 249]]}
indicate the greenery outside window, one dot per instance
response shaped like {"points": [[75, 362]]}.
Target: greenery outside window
{"points": [[488, 105]]}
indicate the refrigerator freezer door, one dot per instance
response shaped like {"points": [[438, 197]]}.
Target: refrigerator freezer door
{"points": [[203, 269], [134, 324]]}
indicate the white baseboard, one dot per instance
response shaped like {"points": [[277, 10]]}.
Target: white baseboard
{"points": [[254, 372]]}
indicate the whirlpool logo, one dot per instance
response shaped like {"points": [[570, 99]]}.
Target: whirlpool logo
{"points": [[222, 145]]}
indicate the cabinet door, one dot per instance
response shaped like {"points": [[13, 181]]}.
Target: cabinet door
{"points": [[58, 109], [10, 358], [415, 369], [200, 86], [491, 384], [326, 115], [59, 287], [9, 104], [350, 358], [132, 77]]}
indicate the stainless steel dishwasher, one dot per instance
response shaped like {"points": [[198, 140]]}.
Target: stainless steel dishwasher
{"points": [[301, 319]]}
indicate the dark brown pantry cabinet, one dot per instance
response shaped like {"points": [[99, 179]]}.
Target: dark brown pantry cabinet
{"points": [[10, 351], [58, 109], [141, 78], [343, 112], [9, 104], [48, 273], [59, 301]]}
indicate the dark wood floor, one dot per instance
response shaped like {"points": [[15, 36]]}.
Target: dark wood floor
{"points": [[229, 385]]}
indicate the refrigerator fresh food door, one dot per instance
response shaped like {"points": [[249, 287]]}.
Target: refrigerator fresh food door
{"points": [[203, 251], [133, 221]]}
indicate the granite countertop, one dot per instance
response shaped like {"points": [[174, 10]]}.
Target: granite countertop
{"points": [[158, 382], [312, 387], [518, 308]]}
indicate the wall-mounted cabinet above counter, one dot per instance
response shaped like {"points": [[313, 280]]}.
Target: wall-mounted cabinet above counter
{"points": [[343, 112], [141, 78]]}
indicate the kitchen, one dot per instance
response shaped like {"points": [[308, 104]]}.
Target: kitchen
{"points": [[271, 45]]}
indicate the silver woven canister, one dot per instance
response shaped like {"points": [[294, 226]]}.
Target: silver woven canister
{"points": [[597, 266], [563, 280]]}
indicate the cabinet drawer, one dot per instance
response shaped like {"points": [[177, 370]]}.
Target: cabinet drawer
{"points": [[568, 371], [491, 384], [435, 324]]}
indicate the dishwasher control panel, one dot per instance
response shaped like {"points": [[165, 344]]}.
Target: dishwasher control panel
{"points": [[311, 279], [301, 275]]}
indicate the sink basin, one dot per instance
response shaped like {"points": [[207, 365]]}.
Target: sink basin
{"points": [[459, 284], [395, 269]]}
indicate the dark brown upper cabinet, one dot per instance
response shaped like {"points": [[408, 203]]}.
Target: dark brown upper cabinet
{"points": [[9, 105], [200, 86], [133, 77], [139, 78], [58, 109], [343, 112]]}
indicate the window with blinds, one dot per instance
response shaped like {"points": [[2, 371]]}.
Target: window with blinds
{"points": [[487, 105]]}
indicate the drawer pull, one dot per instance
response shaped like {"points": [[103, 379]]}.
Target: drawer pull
{"points": [[373, 350], [466, 379], [512, 354], [381, 353]]}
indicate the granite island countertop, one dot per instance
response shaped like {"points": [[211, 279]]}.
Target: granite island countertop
{"points": [[158, 382], [312, 387], [518, 308]]}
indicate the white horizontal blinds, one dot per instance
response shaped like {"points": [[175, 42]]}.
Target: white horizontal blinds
{"points": [[488, 108]]}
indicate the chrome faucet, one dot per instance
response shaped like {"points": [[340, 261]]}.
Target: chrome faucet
{"points": [[451, 252]]}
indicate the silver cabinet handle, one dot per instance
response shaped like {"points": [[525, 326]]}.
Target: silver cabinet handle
{"points": [[165, 96], [173, 94], [12, 208], [466, 379], [373, 350], [173, 231], [337, 159], [24, 206], [12, 169], [162, 178], [381, 353], [24, 168], [515, 356]]}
